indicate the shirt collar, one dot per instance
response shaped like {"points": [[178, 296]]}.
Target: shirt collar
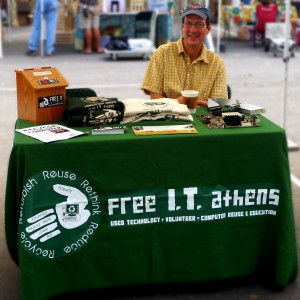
{"points": [[203, 55]]}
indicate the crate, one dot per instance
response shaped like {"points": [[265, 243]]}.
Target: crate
{"points": [[41, 95], [65, 23], [65, 37], [137, 5], [24, 14], [65, 28]]}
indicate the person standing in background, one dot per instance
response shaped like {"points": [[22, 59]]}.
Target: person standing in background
{"points": [[49, 10], [295, 24], [89, 20]]}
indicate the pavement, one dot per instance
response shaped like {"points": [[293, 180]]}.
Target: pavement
{"points": [[254, 76]]}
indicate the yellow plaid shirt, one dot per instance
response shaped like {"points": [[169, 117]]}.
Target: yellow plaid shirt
{"points": [[170, 72]]}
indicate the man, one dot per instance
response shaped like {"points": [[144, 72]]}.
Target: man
{"points": [[48, 9], [187, 64], [89, 20]]}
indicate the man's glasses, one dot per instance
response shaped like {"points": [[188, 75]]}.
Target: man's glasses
{"points": [[189, 25]]}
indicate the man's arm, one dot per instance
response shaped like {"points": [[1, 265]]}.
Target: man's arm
{"points": [[180, 99], [202, 102], [158, 96]]}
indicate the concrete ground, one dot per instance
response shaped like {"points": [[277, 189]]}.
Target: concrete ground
{"points": [[255, 76]]}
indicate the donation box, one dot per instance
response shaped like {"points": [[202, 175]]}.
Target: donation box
{"points": [[41, 95]]}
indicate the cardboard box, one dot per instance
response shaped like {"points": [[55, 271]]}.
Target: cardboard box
{"points": [[41, 95]]}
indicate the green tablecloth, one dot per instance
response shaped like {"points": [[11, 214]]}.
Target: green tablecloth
{"points": [[126, 209]]}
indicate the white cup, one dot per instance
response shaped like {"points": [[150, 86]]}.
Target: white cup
{"points": [[191, 98]]}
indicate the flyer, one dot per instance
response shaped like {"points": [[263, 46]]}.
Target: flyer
{"points": [[108, 130], [50, 133], [169, 129]]}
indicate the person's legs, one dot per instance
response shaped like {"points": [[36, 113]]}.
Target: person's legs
{"points": [[51, 21], [34, 39], [97, 40], [89, 21], [88, 40], [85, 24], [95, 23]]}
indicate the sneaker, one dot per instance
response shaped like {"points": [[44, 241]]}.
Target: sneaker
{"points": [[49, 54], [31, 53]]}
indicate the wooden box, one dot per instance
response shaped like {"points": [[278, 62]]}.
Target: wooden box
{"points": [[41, 95]]}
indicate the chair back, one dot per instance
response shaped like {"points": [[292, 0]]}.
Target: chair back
{"points": [[228, 92], [265, 14], [80, 92]]}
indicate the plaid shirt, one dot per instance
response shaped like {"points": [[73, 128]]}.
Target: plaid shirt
{"points": [[170, 72]]}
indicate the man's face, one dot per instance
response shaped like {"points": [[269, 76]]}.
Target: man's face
{"points": [[194, 30]]}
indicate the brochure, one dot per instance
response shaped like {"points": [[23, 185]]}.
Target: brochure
{"points": [[108, 130], [50, 133], [219, 104], [168, 129]]}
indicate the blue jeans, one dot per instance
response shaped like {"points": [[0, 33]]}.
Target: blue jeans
{"points": [[50, 12]]}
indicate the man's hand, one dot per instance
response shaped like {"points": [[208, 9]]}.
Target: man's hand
{"points": [[181, 100], [202, 102]]}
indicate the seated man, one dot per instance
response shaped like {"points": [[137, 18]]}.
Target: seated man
{"points": [[187, 64]]}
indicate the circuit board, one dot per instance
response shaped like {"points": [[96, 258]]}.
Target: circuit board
{"points": [[229, 120]]}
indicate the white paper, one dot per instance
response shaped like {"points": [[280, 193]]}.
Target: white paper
{"points": [[50, 133]]}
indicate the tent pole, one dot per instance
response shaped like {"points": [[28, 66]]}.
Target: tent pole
{"points": [[9, 14], [1, 51], [219, 25], [286, 58], [42, 27]]}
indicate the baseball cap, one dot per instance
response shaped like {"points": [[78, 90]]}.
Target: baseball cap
{"points": [[196, 9]]}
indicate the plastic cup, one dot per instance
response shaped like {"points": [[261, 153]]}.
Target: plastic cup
{"points": [[191, 98]]}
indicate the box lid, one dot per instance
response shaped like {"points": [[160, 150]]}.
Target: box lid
{"points": [[43, 78]]}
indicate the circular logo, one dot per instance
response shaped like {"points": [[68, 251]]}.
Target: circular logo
{"points": [[59, 213], [156, 104]]}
